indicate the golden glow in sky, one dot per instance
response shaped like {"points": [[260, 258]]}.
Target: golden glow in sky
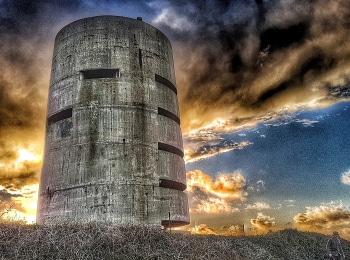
{"points": [[24, 206], [24, 194], [28, 155]]}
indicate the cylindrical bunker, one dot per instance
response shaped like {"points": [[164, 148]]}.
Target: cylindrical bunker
{"points": [[113, 148]]}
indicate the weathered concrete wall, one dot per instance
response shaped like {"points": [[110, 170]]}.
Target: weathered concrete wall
{"points": [[113, 149]]}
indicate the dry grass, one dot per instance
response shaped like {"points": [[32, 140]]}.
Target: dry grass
{"points": [[96, 241]]}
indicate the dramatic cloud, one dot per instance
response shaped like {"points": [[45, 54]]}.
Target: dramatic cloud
{"points": [[324, 218], [345, 177], [263, 222], [208, 151], [216, 196], [226, 185], [207, 142], [19, 177], [22, 170], [22, 203], [246, 59], [174, 21]]}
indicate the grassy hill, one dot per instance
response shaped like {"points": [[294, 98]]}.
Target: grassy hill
{"points": [[94, 241]]}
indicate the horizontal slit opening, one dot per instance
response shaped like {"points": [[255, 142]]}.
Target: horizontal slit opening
{"points": [[165, 82], [100, 73], [64, 114], [168, 114], [170, 184], [170, 148]]}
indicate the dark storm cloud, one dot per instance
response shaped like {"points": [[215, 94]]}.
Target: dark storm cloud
{"points": [[7, 153], [17, 112], [22, 99], [278, 38], [6, 197], [26, 16], [235, 59], [25, 45], [28, 175], [243, 59]]}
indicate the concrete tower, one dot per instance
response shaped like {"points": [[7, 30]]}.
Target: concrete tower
{"points": [[113, 150]]}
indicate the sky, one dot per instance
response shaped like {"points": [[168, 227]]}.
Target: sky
{"points": [[263, 88]]}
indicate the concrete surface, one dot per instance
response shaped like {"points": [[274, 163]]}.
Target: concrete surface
{"points": [[113, 150]]}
